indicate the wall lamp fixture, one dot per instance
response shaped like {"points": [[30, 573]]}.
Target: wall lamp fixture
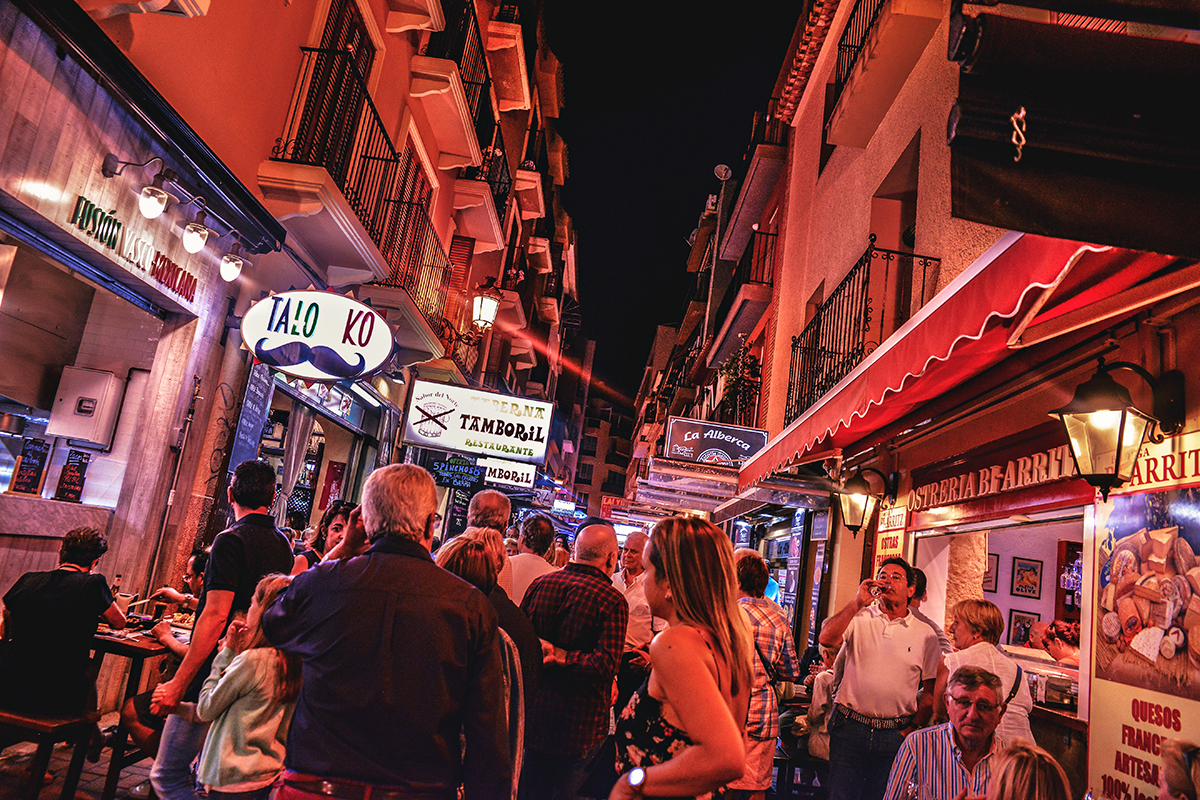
{"points": [[484, 307], [195, 233], [233, 262], [858, 502], [1106, 430], [154, 198]]}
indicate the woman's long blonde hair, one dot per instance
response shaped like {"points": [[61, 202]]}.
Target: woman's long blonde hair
{"points": [[1027, 772], [696, 559], [287, 686]]}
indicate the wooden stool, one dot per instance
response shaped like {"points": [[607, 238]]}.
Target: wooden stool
{"points": [[47, 732]]}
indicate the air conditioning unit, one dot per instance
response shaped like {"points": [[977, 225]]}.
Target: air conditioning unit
{"points": [[86, 406]]}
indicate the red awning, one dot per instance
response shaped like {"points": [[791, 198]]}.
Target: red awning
{"points": [[973, 324]]}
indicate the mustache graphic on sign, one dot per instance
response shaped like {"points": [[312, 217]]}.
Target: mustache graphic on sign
{"points": [[323, 358]]}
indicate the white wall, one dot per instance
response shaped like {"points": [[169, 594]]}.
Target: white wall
{"points": [[122, 339], [1038, 542]]}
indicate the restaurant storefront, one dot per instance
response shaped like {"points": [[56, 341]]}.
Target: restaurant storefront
{"points": [[112, 311], [984, 495]]}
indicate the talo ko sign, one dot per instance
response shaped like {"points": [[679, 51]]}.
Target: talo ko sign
{"points": [[317, 336]]}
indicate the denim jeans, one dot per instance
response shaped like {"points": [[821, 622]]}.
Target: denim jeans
{"points": [[171, 776], [546, 776], [860, 758]]}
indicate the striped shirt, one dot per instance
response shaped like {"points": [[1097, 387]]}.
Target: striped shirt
{"points": [[932, 760]]}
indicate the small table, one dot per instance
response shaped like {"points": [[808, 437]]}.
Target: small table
{"points": [[137, 649]]}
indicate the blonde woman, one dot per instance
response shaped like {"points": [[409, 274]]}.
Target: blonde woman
{"points": [[1027, 772], [976, 630], [681, 734]]}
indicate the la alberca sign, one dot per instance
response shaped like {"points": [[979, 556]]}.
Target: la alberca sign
{"points": [[317, 336], [467, 420]]}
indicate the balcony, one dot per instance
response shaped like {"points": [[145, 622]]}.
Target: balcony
{"points": [[335, 180], [414, 15], [450, 81], [419, 277], [506, 60], [880, 45], [854, 321], [764, 164], [746, 299], [481, 197]]}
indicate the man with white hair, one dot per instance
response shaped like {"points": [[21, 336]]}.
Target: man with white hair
{"points": [[401, 662], [635, 662], [581, 619]]}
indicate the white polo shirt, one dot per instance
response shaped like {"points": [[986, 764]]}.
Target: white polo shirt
{"points": [[642, 625], [526, 567], [886, 660]]}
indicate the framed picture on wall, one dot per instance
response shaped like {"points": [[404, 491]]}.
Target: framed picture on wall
{"points": [[993, 570], [1019, 623], [1026, 578]]}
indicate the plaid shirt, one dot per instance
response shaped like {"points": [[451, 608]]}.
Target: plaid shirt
{"points": [[578, 609], [773, 637]]}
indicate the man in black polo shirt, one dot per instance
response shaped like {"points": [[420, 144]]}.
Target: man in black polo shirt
{"points": [[241, 555]]}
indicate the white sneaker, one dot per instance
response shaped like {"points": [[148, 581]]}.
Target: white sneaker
{"points": [[141, 791]]}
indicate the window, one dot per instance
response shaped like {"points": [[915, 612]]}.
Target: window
{"points": [[583, 473], [588, 446]]}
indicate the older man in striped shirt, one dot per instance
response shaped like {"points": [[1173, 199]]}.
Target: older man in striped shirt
{"points": [[955, 759]]}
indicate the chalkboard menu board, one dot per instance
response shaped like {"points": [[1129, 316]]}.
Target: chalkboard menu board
{"points": [[464, 479], [70, 481], [260, 387], [30, 468]]}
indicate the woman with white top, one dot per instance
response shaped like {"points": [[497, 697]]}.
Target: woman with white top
{"points": [[976, 632]]}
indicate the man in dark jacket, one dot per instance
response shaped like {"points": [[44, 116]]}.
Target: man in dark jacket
{"points": [[403, 691]]}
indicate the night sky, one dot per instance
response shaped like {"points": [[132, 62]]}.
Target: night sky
{"points": [[656, 95]]}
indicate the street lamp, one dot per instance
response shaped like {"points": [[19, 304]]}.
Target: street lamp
{"points": [[1106, 430], [484, 307], [858, 502]]}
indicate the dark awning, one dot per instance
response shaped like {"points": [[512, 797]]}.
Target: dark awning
{"points": [[1110, 150]]}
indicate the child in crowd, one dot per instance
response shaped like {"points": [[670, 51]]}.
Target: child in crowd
{"points": [[249, 698]]}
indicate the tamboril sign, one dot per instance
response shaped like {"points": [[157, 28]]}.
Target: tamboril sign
{"points": [[317, 336], [468, 420]]}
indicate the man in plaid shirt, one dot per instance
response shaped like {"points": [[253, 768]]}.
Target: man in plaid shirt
{"points": [[774, 660], [580, 617]]}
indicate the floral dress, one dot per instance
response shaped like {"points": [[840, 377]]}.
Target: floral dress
{"points": [[645, 738]]}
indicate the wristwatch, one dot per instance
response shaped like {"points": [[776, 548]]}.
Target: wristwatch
{"points": [[637, 779]]}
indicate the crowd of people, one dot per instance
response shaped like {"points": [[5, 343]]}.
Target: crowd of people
{"points": [[373, 663]]}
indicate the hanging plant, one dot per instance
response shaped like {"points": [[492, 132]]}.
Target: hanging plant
{"points": [[742, 373]]}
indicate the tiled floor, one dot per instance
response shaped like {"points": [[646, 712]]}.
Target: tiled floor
{"points": [[15, 761]]}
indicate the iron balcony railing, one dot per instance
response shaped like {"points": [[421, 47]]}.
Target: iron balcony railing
{"points": [[758, 262], [420, 266], [757, 266], [333, 123], [494, 172], [768, 128], [854, 38], [853, 322], [508, 12], [462, 43]]}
